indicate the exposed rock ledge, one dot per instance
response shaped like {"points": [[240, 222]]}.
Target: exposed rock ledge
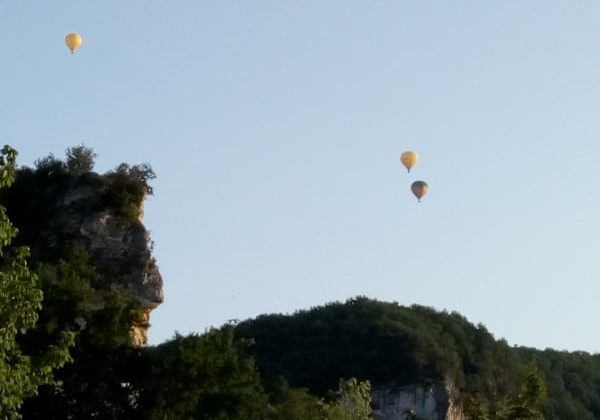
{"points": [[72, 210], [434, 402]]}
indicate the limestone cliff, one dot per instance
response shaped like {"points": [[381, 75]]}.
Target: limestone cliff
{"points": [[434, 402], [55, 210]]}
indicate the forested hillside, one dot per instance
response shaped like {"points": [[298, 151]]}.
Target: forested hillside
{"points": [[389, 344]]}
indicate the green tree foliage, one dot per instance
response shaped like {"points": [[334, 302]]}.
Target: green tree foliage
{"points": [[21, 372], [126, 188], [205, 377], [572, 383], [393, 345], [107, 373], [351, 401], [80, 159], [382, 342], [524, 404], [297, 404]]}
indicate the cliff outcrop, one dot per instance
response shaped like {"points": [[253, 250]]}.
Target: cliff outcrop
{"points": [[434, 402], [55, 210]]}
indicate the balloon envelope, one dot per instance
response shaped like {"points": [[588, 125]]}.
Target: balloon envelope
{"points": [[73, 41], [419, 189], [409, 159]]}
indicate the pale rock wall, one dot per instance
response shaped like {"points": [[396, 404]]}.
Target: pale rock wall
{"points": [[119, 249], [435, 402], [122, 257]]}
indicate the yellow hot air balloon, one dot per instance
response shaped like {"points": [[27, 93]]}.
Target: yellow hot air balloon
{"points": [[419, 189], [409, 159], [73, 41]]}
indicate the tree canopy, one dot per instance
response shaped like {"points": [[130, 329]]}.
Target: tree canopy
{"points": [[21, 371]]}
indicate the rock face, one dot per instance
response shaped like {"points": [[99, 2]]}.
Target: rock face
{"points": [[123, 260], [120, 251], [98, 214], [435, 402], [122, 255]]}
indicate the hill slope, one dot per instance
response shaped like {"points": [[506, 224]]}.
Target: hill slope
{"points": [[396, 346]]}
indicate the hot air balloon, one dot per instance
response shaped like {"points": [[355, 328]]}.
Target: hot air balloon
{"points": [[73, 41], [419, 189], [409, 159]]}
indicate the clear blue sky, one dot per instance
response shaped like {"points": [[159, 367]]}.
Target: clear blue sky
{"points": [[275, 129]]}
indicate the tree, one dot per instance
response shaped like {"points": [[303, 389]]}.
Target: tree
{"points": [[20, 300], [80, 159], [297, 404], [526, 403], [206, 377], [107, 374], [126, 188], [352, 402]]}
